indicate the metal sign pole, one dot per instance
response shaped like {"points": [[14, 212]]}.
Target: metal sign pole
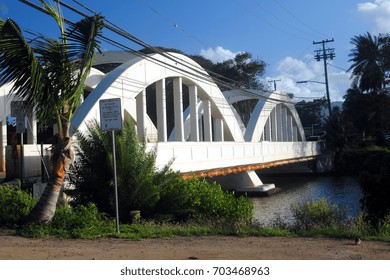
{"points": [[111, 120], [21, 160], [115, 182]]}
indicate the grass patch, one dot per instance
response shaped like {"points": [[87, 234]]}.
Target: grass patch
{"points": [[86, 222], [378, 149]]}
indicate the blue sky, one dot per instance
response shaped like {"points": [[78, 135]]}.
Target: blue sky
{"points": [[279, 32]]}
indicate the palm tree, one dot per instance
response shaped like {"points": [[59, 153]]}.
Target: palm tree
{"points": [[367, 63], [49, 75]]}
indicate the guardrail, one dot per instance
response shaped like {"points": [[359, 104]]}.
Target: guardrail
{"points": [[190, 157]]}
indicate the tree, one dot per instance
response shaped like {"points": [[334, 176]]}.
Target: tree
{"points": [[312, 113], [370, 67], [367, 63], [358, 110], [49, 75], [242, 71]]}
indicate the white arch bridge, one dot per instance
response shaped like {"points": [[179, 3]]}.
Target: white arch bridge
{"points": [[176, 104]]}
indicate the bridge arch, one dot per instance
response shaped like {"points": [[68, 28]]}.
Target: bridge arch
{"points": [[129, 82], [273, 119]]}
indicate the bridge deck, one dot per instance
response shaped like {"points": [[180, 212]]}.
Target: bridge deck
{"points": [[219, 158]]}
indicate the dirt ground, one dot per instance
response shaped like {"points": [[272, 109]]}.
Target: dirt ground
{"points": [[179, 248]]}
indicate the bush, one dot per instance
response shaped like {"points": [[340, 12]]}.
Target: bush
{"points": [[159, 194], [15, 204], [209, 201], [72, 222], [374, 182], [318, 214], [384, 227]]}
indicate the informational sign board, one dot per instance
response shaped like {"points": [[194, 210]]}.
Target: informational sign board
{"points": [[111, 120], [18, 108], [110, 114], [20, 124]]}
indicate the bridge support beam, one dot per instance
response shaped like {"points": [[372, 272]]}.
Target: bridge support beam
{"points": [[279, 121], [289, 128], [194, 115], [274, 126], [3, 144], [284, 124], [161, 109], [218, 127], [141, 115], [208, 133], [178, 108]]}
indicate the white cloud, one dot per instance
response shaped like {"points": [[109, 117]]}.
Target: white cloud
{"points": [[377, 11], [218, 54], [291, 70]]}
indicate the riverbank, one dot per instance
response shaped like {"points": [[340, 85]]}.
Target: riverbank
{"points": [[181, 248]]}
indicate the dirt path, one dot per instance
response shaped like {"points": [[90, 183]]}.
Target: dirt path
{"points": [[207, 248]]}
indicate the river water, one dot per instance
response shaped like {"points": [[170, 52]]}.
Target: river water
{"points": [[342, 190]]}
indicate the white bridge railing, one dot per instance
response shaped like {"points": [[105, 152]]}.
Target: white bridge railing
{"points": [[199, 156], [190, 157]]}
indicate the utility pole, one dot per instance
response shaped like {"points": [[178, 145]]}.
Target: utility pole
{"points": [[325, 54], [274, 81]]}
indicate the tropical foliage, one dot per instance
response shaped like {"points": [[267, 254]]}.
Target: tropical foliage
{"points": [[49, 74], [160, 194], [367, 63], [15, 205]]}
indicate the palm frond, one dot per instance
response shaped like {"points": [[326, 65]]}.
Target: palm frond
{"points": [[19, 64]]}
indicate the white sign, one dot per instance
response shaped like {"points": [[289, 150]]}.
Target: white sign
{"points": [[110, 114], [20, 125], [18, 109]]}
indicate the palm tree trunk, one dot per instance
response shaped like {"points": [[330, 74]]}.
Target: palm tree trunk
{"points": [[62, 157]]}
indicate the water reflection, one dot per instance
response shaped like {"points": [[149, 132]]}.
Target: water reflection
{"points": [[342, 190]]}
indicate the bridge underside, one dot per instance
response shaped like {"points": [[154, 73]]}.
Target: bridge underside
{"points": [[244, 168]]}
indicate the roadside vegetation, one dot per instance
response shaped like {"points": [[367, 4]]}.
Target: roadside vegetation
{"points": [[312, 219], [169, 205]]}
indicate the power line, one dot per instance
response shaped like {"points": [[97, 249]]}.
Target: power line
{"points": [[282, 20], [173, 24], [298, 19], [199, 72], [249, 11]]}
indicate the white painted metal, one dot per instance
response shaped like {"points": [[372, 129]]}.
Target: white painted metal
{"points": [[199, 156]]}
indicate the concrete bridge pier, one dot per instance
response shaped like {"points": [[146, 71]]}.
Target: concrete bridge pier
{"points": [[246, 183]]}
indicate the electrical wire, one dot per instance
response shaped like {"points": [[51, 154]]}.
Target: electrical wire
{"points": [[299, 20], [215, 76], [198, 70], [172, 23], [250, 12], [281, 20]]}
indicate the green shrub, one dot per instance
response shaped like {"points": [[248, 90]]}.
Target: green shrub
{"points": [[209, 201], [15, 204], [317, 214], [72, 222], [139, 183], [384, 227]]}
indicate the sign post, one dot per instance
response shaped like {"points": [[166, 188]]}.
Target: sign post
{"points": [[111, 120], [18, 110]]}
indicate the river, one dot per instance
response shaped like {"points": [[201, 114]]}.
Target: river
{"points": [[342, 190]]}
